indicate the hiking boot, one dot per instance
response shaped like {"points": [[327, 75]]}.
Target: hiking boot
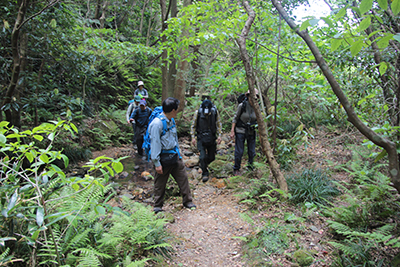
{"points": [[190, 205], [157, 210], [205, 178], [236, 173]]}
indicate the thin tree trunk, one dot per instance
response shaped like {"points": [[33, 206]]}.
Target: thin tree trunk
{"points": [[195, 70], [16, 60], [164, 54], [389, 146], [142, 16], [265, 145], [172, 71]]}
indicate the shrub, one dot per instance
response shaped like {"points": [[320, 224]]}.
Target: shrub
{"points": [[311, 186]]}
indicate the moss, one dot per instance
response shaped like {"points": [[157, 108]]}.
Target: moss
{"points": [[303, 257]]}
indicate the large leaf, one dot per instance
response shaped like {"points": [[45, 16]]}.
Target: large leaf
{"points": [[118, 167], [395, 7], [365, 6], [382, 68], [356, 47], [383, 4], [364, 24], [40, 216], [397, 37]]}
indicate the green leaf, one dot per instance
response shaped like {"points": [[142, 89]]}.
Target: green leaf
{"points": [[51, 136], [335, 43], [4, 124], [13, 200], [3, 139], [314, 22], [44, 158], [380, 156], [40, 216], [29, 156], [38, 137], [397, 37], [382, 68], [118, 167], [395, 7], [328, 21], [383, 4], [365, 6], [66, 160], [341, 13], [364, 24], [304, 25], [100, 210], [356, 47], [74, 127], [384, 41]]}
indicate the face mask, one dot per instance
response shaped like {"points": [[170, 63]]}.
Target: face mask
{"points": [[206, 111]]}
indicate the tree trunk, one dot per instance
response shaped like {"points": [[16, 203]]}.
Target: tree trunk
{"points": [[172, 70], [183, 68], [16, 61], [265, 145], [164, 54], [142, 16], [389, 146], [195, 70]]}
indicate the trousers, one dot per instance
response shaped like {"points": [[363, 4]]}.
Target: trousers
{"points": [[240, 138], [179, 174]]}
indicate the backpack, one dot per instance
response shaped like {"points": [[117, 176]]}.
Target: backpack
{"points": [[157, 112]]}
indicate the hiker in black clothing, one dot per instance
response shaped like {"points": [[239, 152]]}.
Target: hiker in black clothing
{"points": [[243, 128], [206, 124], [141, 116]]}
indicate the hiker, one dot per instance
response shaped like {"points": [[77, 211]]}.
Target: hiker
{"points": [[244, 128], [206, 124], [133, 104], [140, 91], [166, 157], [141, 117]]}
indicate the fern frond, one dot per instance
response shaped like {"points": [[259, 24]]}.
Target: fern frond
{"points": [[140, 263]]}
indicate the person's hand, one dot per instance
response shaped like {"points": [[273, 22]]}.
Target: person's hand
{"points": [[193, 141], [232, 135], [219, 140], [159, 169], [131, 120]]}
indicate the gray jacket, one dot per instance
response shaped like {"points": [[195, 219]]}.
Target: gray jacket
{"points": [[247, 116], [166, 142]]}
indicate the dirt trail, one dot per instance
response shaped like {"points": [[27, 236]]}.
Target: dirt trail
{"points": [[206, 236]]}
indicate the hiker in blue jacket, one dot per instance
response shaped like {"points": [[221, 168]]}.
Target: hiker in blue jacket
{"points": [[141, 117], [166, 157]]}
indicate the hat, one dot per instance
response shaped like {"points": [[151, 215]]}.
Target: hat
{"points": [[248, 92], [142, 102], [137, 98], [140, 83]]}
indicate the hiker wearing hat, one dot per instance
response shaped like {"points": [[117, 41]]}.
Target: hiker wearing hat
{"points": [[140, 91], [141, 117], [206, 124], [133, 104], [244, 128]]}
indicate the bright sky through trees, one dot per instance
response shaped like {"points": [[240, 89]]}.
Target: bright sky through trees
{"points": [[317, 9]]}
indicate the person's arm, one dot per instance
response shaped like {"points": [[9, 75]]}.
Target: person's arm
{"points": [[133, 115], [155, 130], [193, 127], [219, 129], [145, 93], [235, 118], [129, 112]]}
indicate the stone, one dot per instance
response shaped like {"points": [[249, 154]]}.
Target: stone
{"points": [[192, 161], [303, 257]]}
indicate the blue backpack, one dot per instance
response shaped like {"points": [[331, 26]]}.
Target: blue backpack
{"points": [[157, 112]]}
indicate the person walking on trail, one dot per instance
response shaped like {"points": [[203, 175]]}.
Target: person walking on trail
{"points": [[141, 91], [244, 128], [166, 157], [141, 117], [133, 104], [206, 124]]}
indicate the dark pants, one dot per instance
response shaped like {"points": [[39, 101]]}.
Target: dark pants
{"points": [[134, 132], [239, 149], [179, 174], [207, 155], [139, 136]]}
